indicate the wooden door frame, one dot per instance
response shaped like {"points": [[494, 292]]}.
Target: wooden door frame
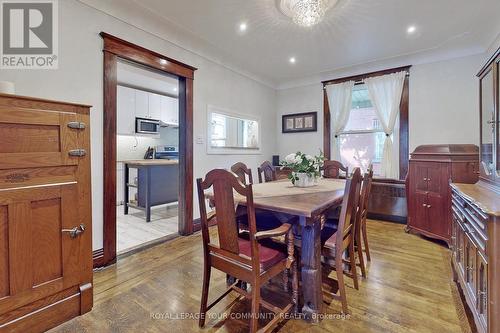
{"points": [[114, 49]]}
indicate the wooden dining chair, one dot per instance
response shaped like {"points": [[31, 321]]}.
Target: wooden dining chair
{"points": [[337, 240], [245, 259], [283, 172], [242, 171], [266, 169], [365, 199], [332, 169]]}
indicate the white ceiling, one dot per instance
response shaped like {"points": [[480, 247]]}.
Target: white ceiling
{"points": [[353, 32]]}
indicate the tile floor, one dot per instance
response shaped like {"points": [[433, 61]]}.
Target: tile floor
{"points": [[133, 230]]}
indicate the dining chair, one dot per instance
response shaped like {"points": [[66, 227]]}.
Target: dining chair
{"points": [[266, 169], [242, 171], [336, 240], [245, 259], [365, 199], [331, 169], [283, 172]]}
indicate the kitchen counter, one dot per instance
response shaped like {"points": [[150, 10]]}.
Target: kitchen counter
{"points": [[150, 162]]}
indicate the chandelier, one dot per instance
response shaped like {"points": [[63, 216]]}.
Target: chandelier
{"points": [[306, 13]]}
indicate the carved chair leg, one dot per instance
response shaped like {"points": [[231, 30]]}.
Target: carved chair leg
{"points": [[204, 294], [365, 240], [295, 287], [292, 264]]}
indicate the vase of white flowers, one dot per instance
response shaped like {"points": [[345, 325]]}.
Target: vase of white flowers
{"points": [[305, 168]]}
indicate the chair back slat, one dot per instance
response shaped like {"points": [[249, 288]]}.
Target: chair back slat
{"points": [[242, 171], [331, 169], [349, 208], [268, 170]]}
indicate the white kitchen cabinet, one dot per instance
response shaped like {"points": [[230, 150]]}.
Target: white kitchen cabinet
{"points": [[154, 106], [141, 104], [125, 106], [170, 110]]}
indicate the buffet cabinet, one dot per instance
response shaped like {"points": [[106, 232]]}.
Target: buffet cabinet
{"points": [[45, 213], [475, 212], [431, 169], [475, 246]]}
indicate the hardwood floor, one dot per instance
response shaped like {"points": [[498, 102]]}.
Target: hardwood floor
{"points": [[408, 289]]}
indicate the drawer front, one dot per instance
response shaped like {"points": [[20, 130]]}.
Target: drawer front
{"points": [[39, 138]]}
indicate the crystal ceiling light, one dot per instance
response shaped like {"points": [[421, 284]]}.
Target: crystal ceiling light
{"points": [[305, 13]]}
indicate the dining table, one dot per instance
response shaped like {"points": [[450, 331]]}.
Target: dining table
{"points": [[309, 204]]}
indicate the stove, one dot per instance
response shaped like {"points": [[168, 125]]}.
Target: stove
{"points": [[167, 152]]}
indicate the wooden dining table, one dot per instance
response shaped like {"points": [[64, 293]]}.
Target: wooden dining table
{"points": [[309, 205]]}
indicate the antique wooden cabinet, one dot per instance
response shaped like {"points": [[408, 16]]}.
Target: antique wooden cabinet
{"points": [[475, 245], [431, 169], [476, 214], [45, 213]]}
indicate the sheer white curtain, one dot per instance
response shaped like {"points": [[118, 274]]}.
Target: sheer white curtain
{"points": [[339, 102], [385, 93]]}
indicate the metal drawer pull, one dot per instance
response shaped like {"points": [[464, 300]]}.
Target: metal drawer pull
{"points": [[77, 152], [76, 125], [74, 232], [429, 206]]}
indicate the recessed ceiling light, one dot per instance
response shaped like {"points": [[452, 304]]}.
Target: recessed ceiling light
{"points": [[411, 29], [292, 60], [243, 26]]}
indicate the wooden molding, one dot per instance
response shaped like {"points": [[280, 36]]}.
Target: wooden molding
{"points": [[141, 55], [114, 49]]}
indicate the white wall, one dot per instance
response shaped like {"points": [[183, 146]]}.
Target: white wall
{"points": [[443, 105], [79, 79]]}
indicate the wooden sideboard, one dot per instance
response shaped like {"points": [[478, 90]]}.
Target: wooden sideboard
{"points": [[45, 213], [476, 212], [475, 245], [428, 193]]}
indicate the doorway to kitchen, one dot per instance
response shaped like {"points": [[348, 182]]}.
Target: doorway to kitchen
{"points": [[147, 143], [147, 154]]}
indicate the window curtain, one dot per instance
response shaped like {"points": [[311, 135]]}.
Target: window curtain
{"points": [[339, 102], [385, 93]]}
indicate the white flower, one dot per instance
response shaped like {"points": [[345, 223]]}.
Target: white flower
{"points": [[298, 159], [309, 158], [290, 158]]}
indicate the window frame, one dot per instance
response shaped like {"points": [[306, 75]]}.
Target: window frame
{"points": [[403, 115]]}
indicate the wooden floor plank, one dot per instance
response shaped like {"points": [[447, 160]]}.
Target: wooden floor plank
{"points": [[408, 289]]}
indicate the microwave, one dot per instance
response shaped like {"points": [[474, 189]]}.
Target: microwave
{"points": [[147, 126]]}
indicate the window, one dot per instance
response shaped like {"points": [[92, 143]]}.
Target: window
{"points": [[362, 141]]}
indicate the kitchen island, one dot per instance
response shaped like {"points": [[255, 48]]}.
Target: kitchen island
{"points": [[157, 184]]}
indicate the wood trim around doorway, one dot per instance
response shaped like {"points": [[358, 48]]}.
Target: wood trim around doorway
{"points": [[114, 49]]}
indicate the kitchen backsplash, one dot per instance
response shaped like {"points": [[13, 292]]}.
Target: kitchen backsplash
{"points": [[131, 147]]}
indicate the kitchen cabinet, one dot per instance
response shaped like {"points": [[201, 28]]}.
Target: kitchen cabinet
{"points": [[141, 104], [169, 110], [125, 109], [154, 106]]}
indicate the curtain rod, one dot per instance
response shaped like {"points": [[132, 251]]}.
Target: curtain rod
{"points": [[358, 79]]}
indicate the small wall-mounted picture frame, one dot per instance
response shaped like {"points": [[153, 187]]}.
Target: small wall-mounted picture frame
{"points": [[299, 122]]}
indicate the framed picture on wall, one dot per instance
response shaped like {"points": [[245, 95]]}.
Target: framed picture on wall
{"points": [[299, 122]]}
